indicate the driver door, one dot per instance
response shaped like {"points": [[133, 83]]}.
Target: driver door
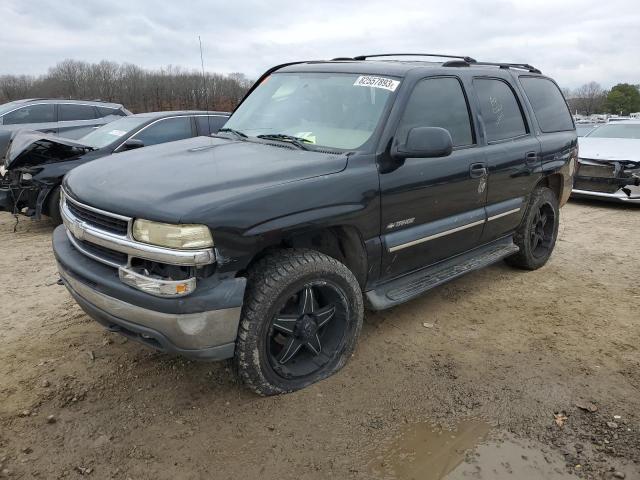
{"points": [[433, 208]]}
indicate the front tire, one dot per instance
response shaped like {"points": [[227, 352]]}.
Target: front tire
{"points": [[536, 237], [301, 319]]}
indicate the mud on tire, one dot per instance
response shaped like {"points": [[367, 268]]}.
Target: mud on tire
{"points": [[302, 300], [537, 234]]}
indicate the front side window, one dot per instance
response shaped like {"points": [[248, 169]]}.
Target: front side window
{"points": [[335, 110], [548, 104], [500, 110], [69, 112], [43, 113], [167, 130], [438, 102]]}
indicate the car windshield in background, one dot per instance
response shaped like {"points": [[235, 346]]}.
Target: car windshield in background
{"points": [[324, 109], [617, 130], [583, 128], [109, 133]]}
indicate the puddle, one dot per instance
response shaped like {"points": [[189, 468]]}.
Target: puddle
{"points": [[424, 452]]}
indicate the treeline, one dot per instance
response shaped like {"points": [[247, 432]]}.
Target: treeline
{"points": [[138, 89], [591, 98]]}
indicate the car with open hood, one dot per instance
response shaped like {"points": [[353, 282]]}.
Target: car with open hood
{"points": [[333, 184], [34, 163], [67, 118], [609, 163]]}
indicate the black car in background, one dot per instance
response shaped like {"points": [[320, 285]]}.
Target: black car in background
{"points": [[34, 163], [67, 118]]}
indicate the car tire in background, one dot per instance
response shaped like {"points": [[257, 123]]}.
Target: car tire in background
{"points": [[53, 206], [301, 319], [537, 234]]}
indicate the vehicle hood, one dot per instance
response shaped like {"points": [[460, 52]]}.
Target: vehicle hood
{"points": [[179, 180], [32, 148], [609, 149]]}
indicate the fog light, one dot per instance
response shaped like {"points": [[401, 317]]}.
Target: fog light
{"points": [[156, 286]]}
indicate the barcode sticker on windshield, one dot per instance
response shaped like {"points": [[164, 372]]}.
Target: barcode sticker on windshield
{"points": [[377, 82]]}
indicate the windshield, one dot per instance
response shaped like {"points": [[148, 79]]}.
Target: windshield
{"points": [[332, 110], [109, 133], [617, 130], [583, 128]]}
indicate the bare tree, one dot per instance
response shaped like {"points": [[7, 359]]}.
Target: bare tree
{"points": [[589, 98], [138, 89]]}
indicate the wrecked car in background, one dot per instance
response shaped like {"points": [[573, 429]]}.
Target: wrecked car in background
{"points": [[67, 118], [609, 163], [34, 163]]}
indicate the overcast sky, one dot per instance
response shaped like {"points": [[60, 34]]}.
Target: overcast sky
{"points": [[572, 41]]}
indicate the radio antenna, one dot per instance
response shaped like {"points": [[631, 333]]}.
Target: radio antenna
{"points": [[204, 86]]}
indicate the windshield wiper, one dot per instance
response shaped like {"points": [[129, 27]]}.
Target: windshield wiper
{"points": [[297, 141], [237, 133]]}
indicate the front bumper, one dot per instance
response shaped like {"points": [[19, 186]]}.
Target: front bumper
{"points": [[202, 326]]}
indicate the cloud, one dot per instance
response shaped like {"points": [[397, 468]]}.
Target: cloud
{"points": [[573, 41]]}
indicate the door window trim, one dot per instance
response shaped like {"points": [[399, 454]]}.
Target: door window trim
{"points": [[525, 120]]}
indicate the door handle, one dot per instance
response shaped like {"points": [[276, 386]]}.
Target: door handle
{"points": [[477, 170], [531, 158]]}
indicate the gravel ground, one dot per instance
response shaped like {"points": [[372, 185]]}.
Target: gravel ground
{"points": [[548, 358]]}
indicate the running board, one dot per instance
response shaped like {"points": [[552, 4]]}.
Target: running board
{"points": [[414, 284]]}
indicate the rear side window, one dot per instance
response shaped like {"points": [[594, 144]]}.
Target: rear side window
{"points": [[438, 102], [43, 113], [167, 130], [105, 112], [548, 104], [70, 112], [210, 124], [500, 110]]}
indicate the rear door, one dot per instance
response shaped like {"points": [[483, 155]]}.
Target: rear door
{"points": [[513, 154], [433, 208]]}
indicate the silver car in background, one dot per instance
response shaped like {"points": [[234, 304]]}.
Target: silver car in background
{"points": [[65, 118], [609, 163]]}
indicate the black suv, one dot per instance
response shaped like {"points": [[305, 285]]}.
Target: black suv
{"points": [[333, 183]]}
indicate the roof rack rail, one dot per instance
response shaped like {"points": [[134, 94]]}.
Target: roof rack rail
{"points": [[521, 66], [465, 58]]}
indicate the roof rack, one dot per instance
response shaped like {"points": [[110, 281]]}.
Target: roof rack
{"points": [[465, 58], [459, 60], [521, 66]]}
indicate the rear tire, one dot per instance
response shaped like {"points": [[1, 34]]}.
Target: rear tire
{"points": [[53, 206], [536, 236], [301, 319]]}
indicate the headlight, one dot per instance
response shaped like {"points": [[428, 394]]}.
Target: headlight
{"points": [[172, 236]]}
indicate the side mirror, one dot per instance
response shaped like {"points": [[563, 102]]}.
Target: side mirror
{"points": [[424, 142], [132, 144]]}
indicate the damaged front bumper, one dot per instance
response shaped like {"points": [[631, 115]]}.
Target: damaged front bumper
{"points": [[617, 181], [201, 326]]}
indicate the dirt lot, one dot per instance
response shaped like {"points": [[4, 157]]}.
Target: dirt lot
{"points": [[501, 353]]}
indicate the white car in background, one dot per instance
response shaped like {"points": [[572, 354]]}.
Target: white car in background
{"points": [[609, 163]]}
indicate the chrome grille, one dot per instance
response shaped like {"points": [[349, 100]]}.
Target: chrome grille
{"points": [[104, 222]]}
